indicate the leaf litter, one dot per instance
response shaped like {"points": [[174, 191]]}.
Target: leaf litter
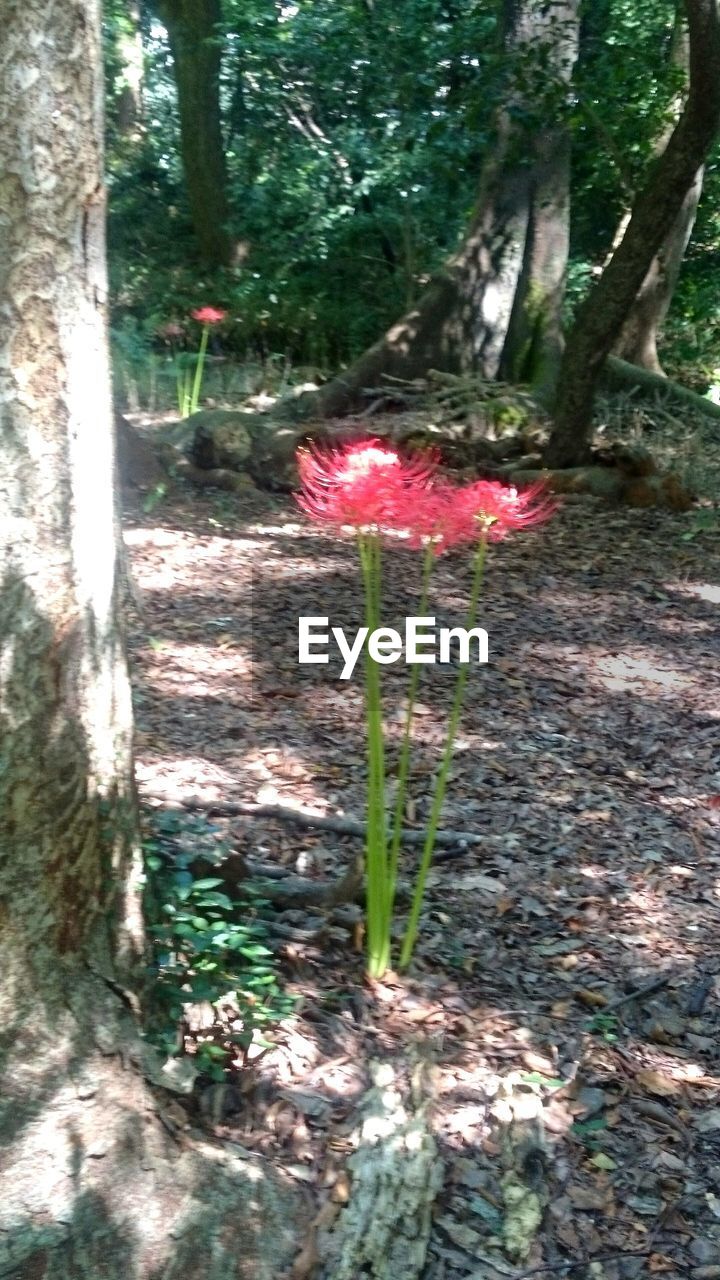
{"points": [[579, 1127]]}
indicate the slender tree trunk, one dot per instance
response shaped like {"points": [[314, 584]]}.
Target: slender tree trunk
{"points": [[495, 306], [656, 208], [193, 31], [93, 1184], [129, 105], [639, 335]]}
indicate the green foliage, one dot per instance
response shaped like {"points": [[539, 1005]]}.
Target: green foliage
{"points": [[588, 1131], [355, 134], [707, 520], [626, 84], [206, 945], [354, 137], [690, 349]]}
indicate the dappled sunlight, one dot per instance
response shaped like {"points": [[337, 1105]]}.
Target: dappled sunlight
{"points": [[161, 556], [639, 674], [638, 670], [196, 671], [706, 591], [176, 778]]}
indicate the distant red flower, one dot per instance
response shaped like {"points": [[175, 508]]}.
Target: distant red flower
{"points": [[208, 315], [362, 486], [492, 510]]}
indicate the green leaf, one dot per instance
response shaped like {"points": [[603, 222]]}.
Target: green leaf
{"points": [[216, 900], [536, 1077], [581, 1127], [601, 1161]]}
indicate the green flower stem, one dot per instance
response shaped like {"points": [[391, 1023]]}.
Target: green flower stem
{"points": [[378, 930], [411, 931], [195, 398], [404, 762], [184, 390]]}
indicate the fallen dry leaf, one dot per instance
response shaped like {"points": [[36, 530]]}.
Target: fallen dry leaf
{"points": [[661, 1085], [593, 999]]}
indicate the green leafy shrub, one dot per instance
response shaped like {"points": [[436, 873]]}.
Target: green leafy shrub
{"points": [[206, 946]]}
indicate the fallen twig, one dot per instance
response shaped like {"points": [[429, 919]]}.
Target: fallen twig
{"points": [[638, 994], [455, 840], [581, 1262]]}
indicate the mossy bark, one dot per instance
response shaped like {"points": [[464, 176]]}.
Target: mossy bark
{"points": [[534, 343]]}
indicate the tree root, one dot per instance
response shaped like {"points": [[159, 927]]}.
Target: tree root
{"points": [[619, 374], [611, 483]]}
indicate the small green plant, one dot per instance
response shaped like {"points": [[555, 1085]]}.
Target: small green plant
{"points": [[605, 1025], [154, 497], [184, 373], [206, 945], [707, 520], [588, 1131]]}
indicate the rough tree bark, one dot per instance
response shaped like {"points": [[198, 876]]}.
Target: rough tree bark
{"points": [[639, 335], [193, 32], [656, 207], [93, 1183], [495, 305]]}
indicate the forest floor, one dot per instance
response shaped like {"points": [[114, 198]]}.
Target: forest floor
{"points": [[588, 761]]}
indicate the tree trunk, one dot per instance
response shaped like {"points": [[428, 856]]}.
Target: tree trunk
{"points": [[193, 32], [639, 335], [93, 1184], [129, 105], [656, 208], [495, 306], [533, 346]]}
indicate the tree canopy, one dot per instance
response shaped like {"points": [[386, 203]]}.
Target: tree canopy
{"points": [[354, 137]]}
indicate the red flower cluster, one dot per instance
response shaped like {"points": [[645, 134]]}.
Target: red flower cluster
{"points": [[208, 315], [494, 510], [369, 487], [365, 487]]}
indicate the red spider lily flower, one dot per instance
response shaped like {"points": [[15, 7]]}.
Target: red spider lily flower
{"points": [[362, 486], [492, 510], [436, 517], [208, 315]]}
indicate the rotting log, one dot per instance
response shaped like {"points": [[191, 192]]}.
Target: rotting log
{"points": [[384, 1230]]}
